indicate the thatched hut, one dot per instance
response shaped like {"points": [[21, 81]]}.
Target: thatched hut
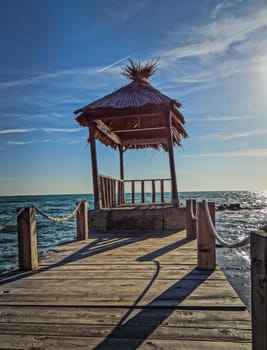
{"points": [[135, 116]]}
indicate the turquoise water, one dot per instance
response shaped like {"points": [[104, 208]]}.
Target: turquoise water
{"points": [[230, 224]]}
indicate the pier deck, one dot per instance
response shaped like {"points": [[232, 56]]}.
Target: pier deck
{"points": [[123, 291]]}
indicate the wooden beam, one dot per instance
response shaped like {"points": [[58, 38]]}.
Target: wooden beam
{"points": [[94, 165], [144, 141], [101, 126], [140, 129], [120, 112], [175, 199]]}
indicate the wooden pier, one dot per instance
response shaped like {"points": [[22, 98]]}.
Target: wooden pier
{"points": [[123, 291]]}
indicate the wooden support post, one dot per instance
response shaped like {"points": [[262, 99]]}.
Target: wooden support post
{"points": [[113, 185], [92, 128], [191, 224], [121, 162], [133, 191], [153, 191], [174, 192], [121, 173], [162, 190], [205, 239], [258, 247], [82, 221], [27, 241], [143, 191]]}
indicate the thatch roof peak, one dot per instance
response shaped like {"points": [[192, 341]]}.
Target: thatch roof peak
{"points": [[138, 71], [134, 116]]}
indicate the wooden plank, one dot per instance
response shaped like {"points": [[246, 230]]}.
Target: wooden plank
{"points": [[107, 132], [10, 341], [112, 316], [129, 330]]}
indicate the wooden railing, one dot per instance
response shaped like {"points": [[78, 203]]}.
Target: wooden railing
{"points": [[27, 233], [204, 214], [143, 191], [112, 191]]}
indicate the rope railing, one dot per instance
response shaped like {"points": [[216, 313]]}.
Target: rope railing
{"points": [[59, 219], [11, 219], [241, 243], [27, 236], [193, 216]]}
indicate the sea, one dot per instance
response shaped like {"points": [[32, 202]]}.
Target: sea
{"points": [[231, 225]]}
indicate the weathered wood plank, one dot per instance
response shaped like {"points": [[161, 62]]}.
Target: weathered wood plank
{"points": [[128, 331], [112, 316], [10, 341]]}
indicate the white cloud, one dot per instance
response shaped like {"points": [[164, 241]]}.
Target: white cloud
{"points": [[217, 119], [257, 152], [19, 142], [217, 37], [235, 135], [83, 71], [61, 130], [15, 131], [225, 5]]}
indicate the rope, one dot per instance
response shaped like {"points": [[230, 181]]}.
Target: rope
{"points": [[193, 216], [241, 243], [11, 219], [59, 219]]}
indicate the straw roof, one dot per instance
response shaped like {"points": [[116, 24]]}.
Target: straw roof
{"points": [[135, 115]]}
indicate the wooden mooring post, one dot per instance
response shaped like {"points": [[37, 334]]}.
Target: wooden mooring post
{"points": [[82, 221], [258, 247], [27, 241], [191, 223], [206, 255]]}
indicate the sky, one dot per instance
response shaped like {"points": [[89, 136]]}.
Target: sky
{"points": [[57, 56]]}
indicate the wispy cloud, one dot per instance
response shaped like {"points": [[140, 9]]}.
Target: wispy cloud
{"points": [[15, 131], [218, 36], [61, 130], [19, 142], [235, 135], [224, 6], [126, 10], [257, 152], [217, 119], [48, 76]]}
